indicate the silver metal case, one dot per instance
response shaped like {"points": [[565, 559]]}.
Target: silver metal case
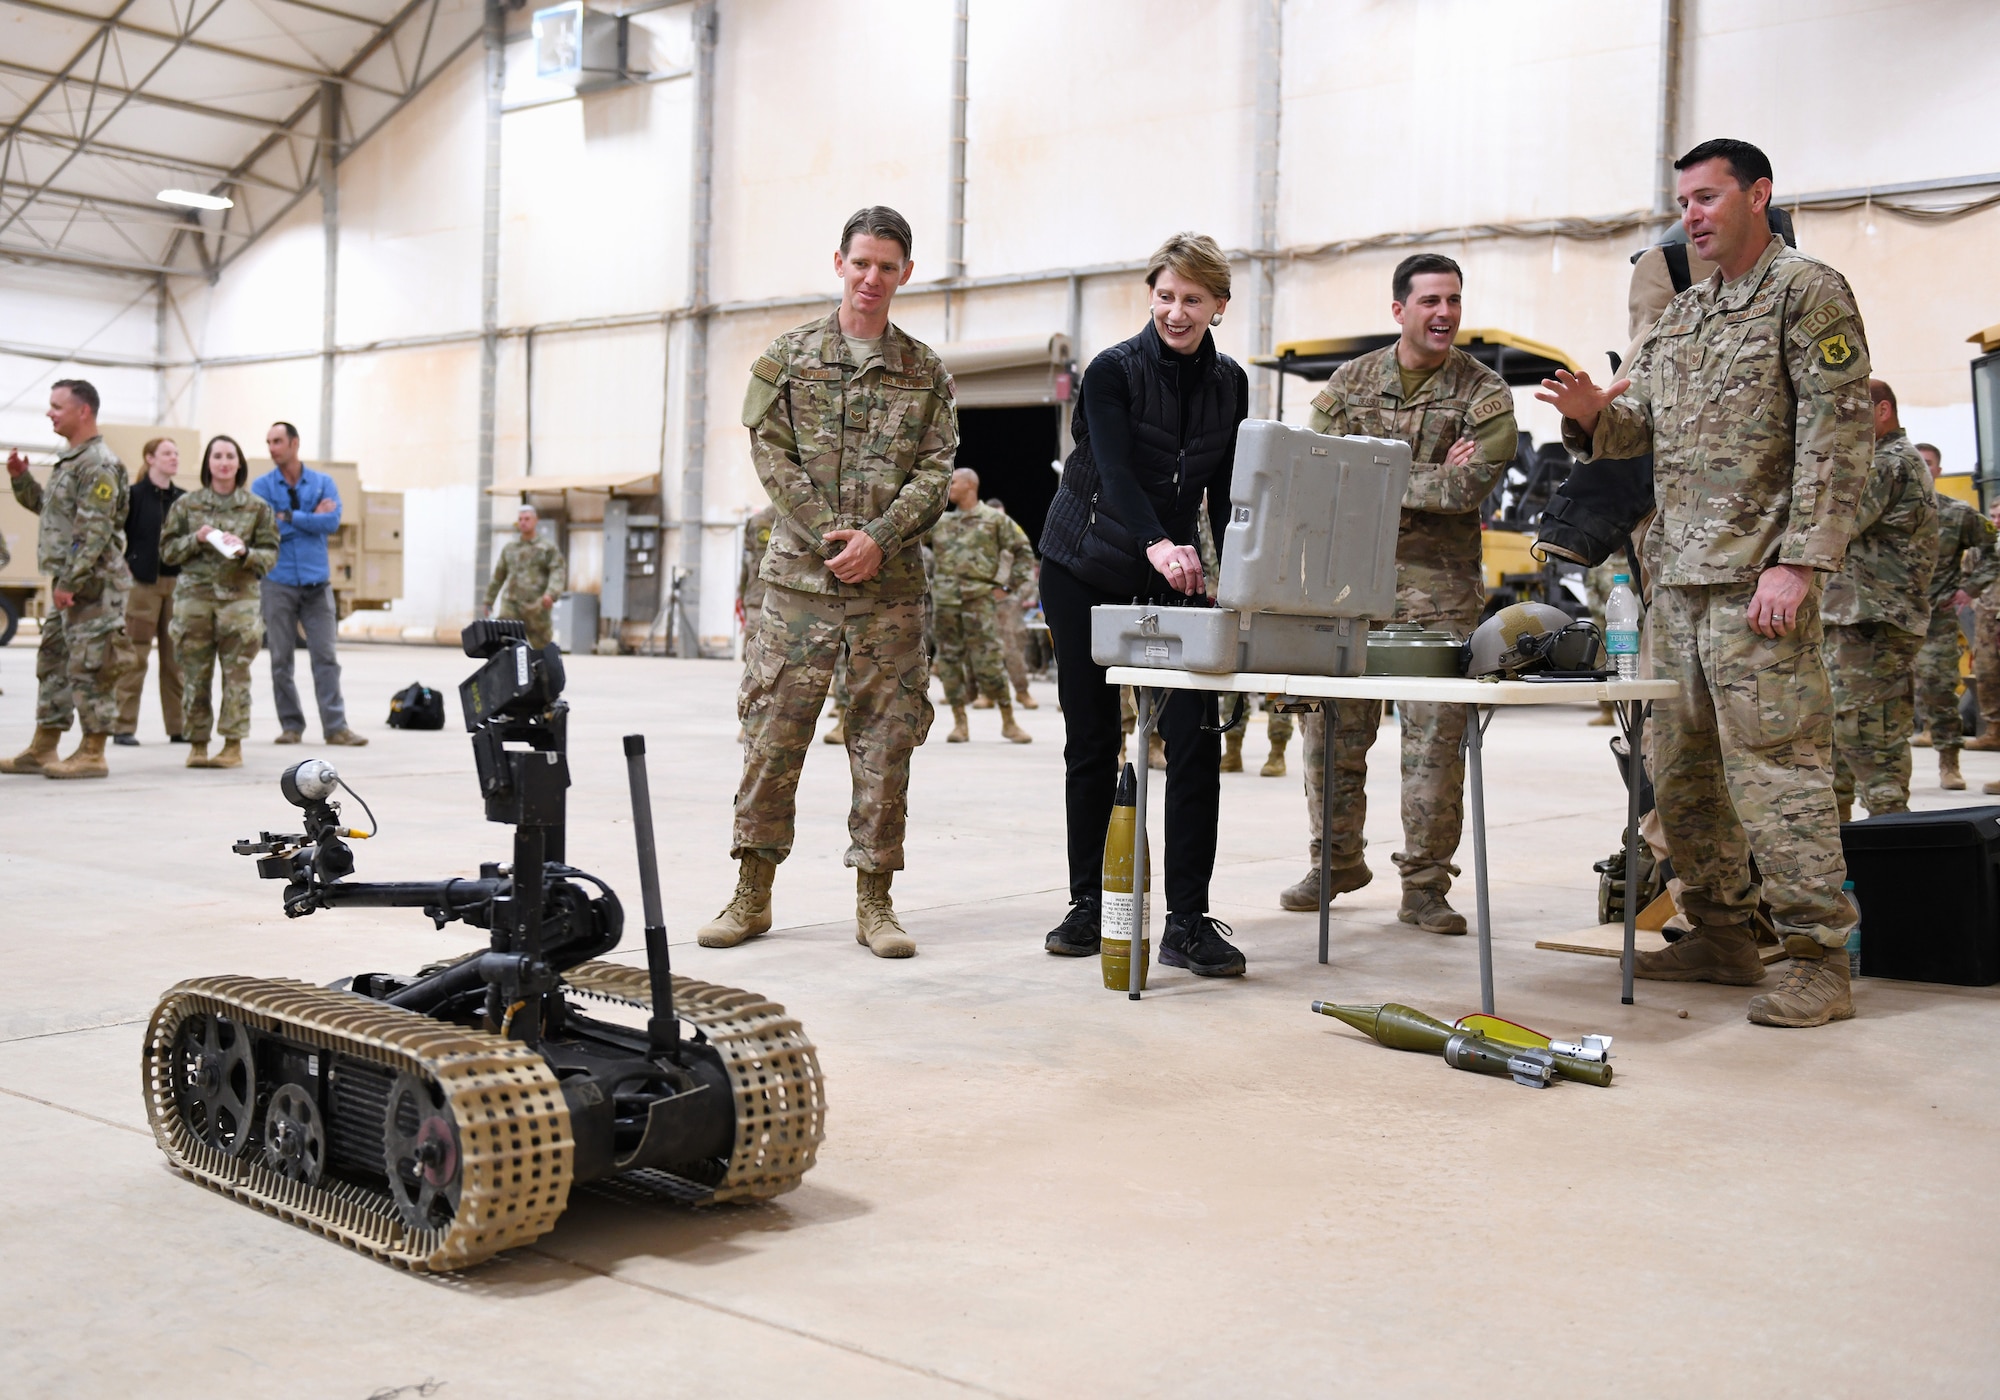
{"points": [[1313, 521], [1171, 639]]}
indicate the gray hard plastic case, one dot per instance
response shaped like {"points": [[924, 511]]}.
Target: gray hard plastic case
{"points": [[1313, 522]]}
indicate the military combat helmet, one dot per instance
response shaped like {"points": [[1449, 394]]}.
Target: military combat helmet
{"points": [[1531, 637]]}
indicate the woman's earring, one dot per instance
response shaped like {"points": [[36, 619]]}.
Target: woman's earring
{"points": [[1216, 319]]}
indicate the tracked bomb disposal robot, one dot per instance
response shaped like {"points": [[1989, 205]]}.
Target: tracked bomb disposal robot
{"points": [[436, 1118]]}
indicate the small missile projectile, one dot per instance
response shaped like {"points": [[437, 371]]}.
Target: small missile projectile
{"points": [[1405, 1028]]}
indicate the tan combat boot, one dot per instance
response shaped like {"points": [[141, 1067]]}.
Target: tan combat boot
{"points": [[86, 762], [1428, 910], [231, 755], [1274, 766], [960, 734], [1010, 731], [1949, 777], [1988, 737], [1724, 953], [1921, 739], [982, 702], [1232, 751], [837, 734], [1603, 718], [1026, 701], [1814, 990], [748, 912], [1303, 898], [875, 917], [1156, 753], [41, 751], [198, 754]]}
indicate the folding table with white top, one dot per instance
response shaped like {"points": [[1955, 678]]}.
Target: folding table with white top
{"points": [[1482, 697]]}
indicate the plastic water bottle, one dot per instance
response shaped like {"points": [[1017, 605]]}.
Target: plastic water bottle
{"points": [[1621, 627]]}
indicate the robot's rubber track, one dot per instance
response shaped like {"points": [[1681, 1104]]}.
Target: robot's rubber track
{"points": [[773, 1068], [513, 1124]]}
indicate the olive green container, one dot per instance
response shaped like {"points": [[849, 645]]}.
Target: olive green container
{"points": [[1115, 912], [1406, 649]]}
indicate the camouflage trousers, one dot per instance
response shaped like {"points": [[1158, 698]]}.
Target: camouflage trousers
{"points": [[1986, 654], [969, 659], [207, 633], [1277, 722], [1433, 788], [788, 667], [1937, 683], [1868, 671], [1743, 763], [540, 621], [1014, 643], [84, 653]]}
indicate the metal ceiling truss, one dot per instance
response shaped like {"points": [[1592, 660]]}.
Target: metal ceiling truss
{"points": [[75, 189]]}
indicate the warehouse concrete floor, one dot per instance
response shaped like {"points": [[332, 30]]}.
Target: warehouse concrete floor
{"points": [[1029, 1185]]}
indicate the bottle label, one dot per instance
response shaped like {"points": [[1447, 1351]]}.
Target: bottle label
{"points": [[1621, 641], [1115, 920]]}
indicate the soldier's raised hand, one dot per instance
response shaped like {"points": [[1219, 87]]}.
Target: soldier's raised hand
{"points": [[16, 463], [1579, 400]]}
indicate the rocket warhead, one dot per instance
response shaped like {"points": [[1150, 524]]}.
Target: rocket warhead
{"points": [[1396, 1026], [1362, 1018]]}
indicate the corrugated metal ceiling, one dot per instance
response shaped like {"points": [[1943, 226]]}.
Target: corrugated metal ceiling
{"points": [[104, 103]]}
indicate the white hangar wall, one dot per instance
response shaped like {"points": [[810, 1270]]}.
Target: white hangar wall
{"points": [[1092, 131]]}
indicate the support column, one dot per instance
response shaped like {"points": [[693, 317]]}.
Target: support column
{"points": [[329, 223], [489, 304], [1270, 105], [954, 228], [1666, 121], [694, 510]]}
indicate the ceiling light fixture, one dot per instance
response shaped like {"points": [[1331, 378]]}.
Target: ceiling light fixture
{"points": [[192, 199]]}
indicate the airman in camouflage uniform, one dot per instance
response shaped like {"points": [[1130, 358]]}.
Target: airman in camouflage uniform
{"points": [[528, 577], [1459, 422], [1751, 393], [853, 439], [1959, 528], [1876, 610], [81, 547], [979, 551], [218, 615]]}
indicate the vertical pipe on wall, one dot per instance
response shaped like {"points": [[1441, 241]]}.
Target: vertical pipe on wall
{"points": [[489, 303], [694, 511], [1270, 95], [160, 397], [329, 224], [1666, 121], [954, 229]]}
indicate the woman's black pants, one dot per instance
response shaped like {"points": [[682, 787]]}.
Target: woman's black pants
{"points": [[1090, 754]]}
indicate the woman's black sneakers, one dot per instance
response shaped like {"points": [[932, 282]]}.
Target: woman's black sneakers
{"points": [[1197, 943], [1077, 935]]}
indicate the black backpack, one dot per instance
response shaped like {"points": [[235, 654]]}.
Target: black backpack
{"points": [[416, 706]]}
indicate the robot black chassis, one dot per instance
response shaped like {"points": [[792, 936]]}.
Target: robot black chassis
{"points": [[435, 1119]]}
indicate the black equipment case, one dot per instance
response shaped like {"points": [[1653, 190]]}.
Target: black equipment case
{"points": [[1928, 884]]}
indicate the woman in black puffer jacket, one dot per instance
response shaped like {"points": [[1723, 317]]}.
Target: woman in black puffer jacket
{"points": [[1155, 433]]}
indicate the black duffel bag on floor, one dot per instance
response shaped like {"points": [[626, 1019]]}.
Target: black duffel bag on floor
{"points": [[416, 706]]}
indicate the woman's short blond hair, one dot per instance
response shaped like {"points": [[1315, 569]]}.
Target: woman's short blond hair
{"points": [[1196, 257]]}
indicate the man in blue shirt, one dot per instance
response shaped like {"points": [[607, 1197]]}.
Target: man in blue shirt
{"points": [[298, 592]]}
